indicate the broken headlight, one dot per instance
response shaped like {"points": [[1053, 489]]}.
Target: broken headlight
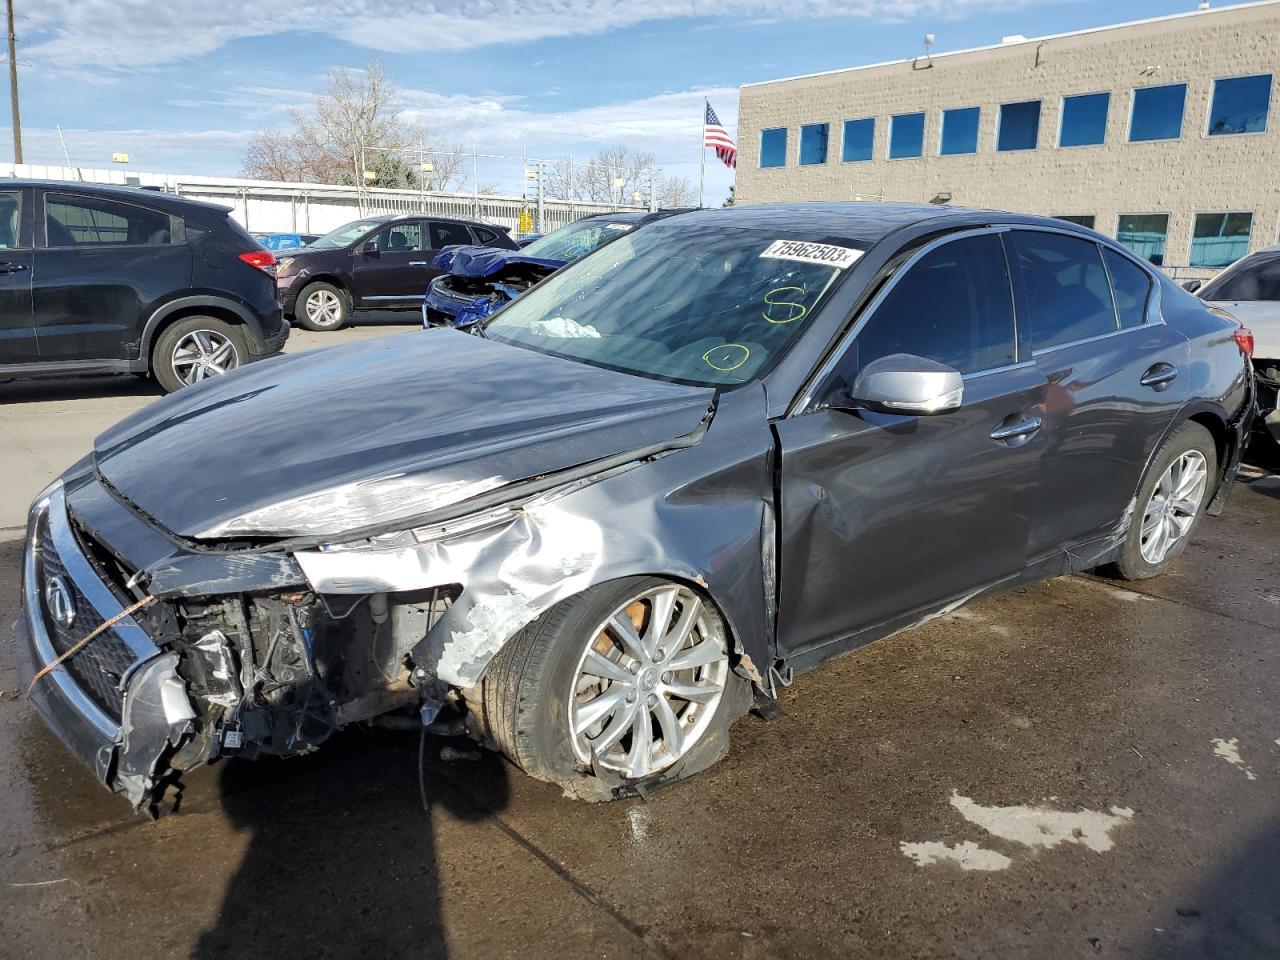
{"points": [[383, 501]]}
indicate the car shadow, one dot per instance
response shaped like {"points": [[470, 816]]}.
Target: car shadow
{"points": [[342, 858], [46, 389], [1233, 913]]}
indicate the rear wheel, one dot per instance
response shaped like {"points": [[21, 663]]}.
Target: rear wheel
{"points": [[625, 685], [1170, 502], [195, 349], [322, 307]]}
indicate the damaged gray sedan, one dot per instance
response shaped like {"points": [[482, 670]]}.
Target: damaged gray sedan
{"points": [[596, 530]]}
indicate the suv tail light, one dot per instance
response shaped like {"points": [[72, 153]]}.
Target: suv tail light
{"points": [[1244, 340], [264, 260]]}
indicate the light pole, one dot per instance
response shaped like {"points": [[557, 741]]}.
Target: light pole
{"points": [[13, 91]]}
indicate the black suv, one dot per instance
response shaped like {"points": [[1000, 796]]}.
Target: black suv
{"points": [[99, 279], [377, 263]]}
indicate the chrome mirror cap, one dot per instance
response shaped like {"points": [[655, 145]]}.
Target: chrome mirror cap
{"points": [[906, 384]]}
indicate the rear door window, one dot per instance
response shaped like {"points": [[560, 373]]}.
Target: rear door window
{"points": [[1065, 288], [1132, 289], [94, 221], [444, 234], [484, 236], [953, 306], [1256, 278]]}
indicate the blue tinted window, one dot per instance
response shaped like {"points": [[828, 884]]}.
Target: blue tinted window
{"points": [[1144, 234], [1019, 126], [1240, 105], [813, 143], [773, 147], [1220, 239], [906, 136], [1084, 120], [859, 137], [1157, 113], [959, 131]]}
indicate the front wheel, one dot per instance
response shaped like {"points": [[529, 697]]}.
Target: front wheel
{"points": [[195, 349], [626, 685], [1170, 503]]}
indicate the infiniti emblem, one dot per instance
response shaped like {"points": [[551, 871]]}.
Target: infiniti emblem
{"points": [[58, 599]]}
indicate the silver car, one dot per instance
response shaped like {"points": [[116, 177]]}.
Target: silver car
{"points": [[1250, 291]]}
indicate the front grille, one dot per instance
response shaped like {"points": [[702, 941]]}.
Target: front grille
{"points": [[99, 666]]}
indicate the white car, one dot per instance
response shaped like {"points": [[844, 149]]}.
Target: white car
{"points": [[1249, 290]]}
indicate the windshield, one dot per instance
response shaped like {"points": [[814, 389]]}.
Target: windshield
{"points": [[576, 240], [705, 305], [345, 235]]}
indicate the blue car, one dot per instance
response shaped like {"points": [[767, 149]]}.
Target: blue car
{"points": [[287, 241], [477, 281]]}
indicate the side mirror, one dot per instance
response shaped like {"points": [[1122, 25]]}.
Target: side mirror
{"points": [[1191, 286], [370, 249], [906, 384]]}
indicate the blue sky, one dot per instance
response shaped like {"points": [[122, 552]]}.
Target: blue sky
{"points": [[179, 85]]}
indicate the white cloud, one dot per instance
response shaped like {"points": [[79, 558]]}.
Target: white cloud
{"points": [[134, 35]]}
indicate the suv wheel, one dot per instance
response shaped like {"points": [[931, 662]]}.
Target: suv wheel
{"points": [[1170, 502], [624, 686], [194, 349], [322, 307]]}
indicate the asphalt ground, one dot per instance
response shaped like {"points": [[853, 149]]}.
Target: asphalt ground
{"points": [[1081, 768]]}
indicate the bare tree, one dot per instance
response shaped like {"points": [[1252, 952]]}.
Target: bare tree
{"points": [[614, 175], [355, 124], [676, 192]]}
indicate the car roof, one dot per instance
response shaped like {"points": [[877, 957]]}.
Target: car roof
{"points": [[129, 194], [861, 223]]}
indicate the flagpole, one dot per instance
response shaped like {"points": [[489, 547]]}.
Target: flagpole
{"points": [[702, 153]]}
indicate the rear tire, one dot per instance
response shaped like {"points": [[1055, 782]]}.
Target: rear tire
{"points": [[571, 662], [322, 307], [196, 349], [1170, 503]]}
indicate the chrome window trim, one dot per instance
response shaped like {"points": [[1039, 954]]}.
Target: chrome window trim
{"points": [[807, 395]]}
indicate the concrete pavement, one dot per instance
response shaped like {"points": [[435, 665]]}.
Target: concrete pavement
{"points": [[1076, 769]]}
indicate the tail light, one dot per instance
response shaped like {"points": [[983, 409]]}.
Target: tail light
{"points": [[1244, 340], [264, 260]]}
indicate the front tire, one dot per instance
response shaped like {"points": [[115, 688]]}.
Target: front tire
{"points": [[1170, 503], [322, 307], [195, 349], [625, 686]]}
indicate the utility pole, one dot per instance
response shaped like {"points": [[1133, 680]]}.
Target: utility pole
{"points": [[13, 91]]}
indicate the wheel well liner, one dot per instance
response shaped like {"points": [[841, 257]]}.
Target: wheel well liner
{"points": [[171, 313]]}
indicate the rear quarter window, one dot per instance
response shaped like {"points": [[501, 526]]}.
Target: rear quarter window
{"points": [[1132, 289]]}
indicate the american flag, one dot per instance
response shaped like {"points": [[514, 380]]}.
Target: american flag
{"points": [[714, 135]]}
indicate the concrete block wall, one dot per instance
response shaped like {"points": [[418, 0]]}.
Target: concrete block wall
{"points": [[1194, 174]]}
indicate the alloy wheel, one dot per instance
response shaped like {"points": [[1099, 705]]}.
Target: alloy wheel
{"points": [[648, 684], [324, 308], [1173, 505], [201, 354]]}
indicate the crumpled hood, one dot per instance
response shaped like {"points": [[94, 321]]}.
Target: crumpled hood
{"points": [[486, 261], [446, 413]]}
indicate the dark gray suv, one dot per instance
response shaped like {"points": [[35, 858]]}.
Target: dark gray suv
{"points": [[716, 451], [100, 279]]}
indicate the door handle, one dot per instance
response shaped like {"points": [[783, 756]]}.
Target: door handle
{"points": [[1018, 430], [417, 263], [1159, 376], [7, 267]]}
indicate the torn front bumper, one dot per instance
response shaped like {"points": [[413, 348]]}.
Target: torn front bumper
{"points": [[117, 703]]}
